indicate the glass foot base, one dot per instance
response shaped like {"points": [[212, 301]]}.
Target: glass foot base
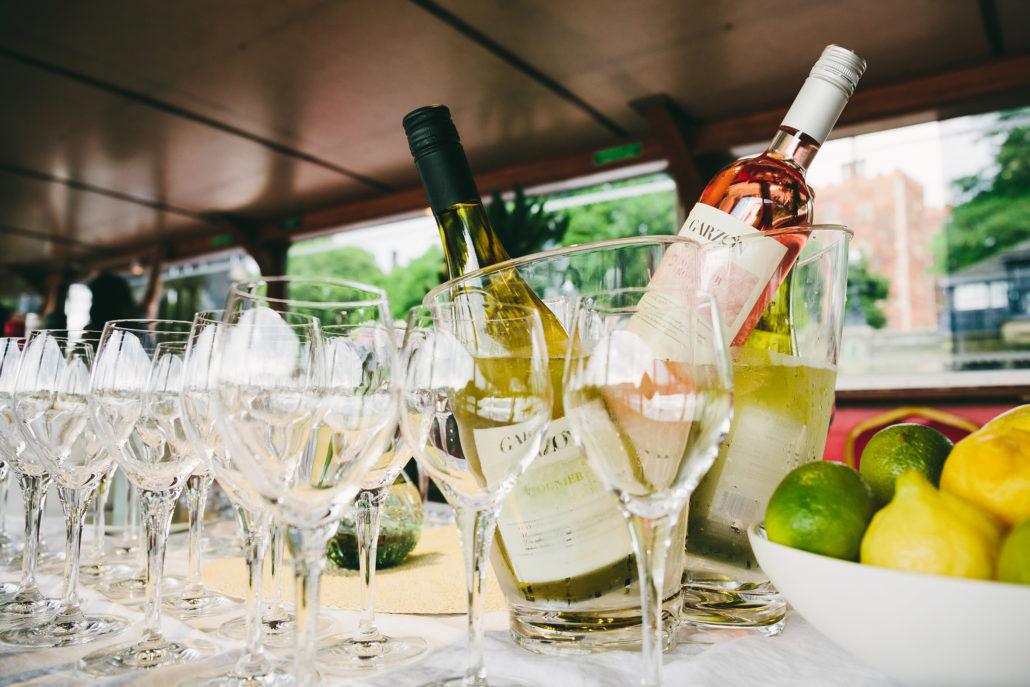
{"points": [[78, 630], [134, 590], [570, 633], [382, 654], [9, 553], [24, 608], [276, 632], [197, 605], [94, 574], [50, 563], [260, 672], [491, 681], [710, 607], [141, 656]]}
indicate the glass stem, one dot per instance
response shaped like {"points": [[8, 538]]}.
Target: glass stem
{"points": [[369, 508], [476, 528], [33, 491], [308, 548], [74, 502], [157, 514], [197, 486], [651, 540], [99, 518], [133, 522], [276, 610], [4, 472], [255, 533]]}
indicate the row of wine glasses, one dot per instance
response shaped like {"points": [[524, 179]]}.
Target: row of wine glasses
{"points": [[241, 395]]}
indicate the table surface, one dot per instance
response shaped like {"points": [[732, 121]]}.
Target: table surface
{"points": [[799, 656]]}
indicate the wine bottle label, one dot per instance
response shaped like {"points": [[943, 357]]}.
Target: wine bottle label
{"points": [[558, 521], [736, 277], [749, 473]]}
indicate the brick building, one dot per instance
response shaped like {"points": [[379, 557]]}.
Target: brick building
{"points": [[893, 229]]}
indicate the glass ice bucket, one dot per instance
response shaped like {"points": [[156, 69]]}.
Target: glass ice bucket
{"points": [[784, 376], [562, 553]]}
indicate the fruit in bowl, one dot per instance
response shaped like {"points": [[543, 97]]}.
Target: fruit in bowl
{"points": [[921, 630], [903, 606], [930, 531]]}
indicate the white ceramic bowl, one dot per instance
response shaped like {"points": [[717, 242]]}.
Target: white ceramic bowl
{"points": [[918, 629]]}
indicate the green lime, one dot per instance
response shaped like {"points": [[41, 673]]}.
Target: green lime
{"points": [[1014, 559], [822, 507], [901, 447]]}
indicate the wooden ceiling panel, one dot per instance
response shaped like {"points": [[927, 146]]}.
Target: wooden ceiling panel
{"points": [[127, 121], [82, 217], [725, 59]]}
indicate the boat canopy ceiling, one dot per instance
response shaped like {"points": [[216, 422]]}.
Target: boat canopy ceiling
{"points": [[183, 127]]}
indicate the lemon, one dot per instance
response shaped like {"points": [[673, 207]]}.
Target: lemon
{"points": [[901, 447], [991, 468], [822, 507], [1014, 559], [1018, 417], [930, 531]]}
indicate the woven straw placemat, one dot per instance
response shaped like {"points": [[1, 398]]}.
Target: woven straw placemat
{"points": [[431, 580]]}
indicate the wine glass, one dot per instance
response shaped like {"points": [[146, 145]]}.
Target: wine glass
{"points": [[195, 600], [9, 551], [51, 405], [253, 666], [24, 603], [475, 401], [368, 648], [129, 401], [272, 370], [647, 390], [333, 302]]}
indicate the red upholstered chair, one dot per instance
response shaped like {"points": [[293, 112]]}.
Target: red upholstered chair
{"points": [[951, 425]]}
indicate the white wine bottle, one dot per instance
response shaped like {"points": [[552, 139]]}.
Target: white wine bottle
{"points": [[769, 191], [560, 537]]}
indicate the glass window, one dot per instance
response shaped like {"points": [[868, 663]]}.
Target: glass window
{"points": [[941, 214]]}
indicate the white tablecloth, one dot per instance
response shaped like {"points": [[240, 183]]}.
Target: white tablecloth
{"points": [[798, 657]]}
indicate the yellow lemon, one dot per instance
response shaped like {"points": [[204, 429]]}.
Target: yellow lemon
{"points": [[1018, 417], [1014, 559], [991, 468], [930, 531]]}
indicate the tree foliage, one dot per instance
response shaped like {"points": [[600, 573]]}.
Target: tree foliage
{"points": [[405, 285], [872, 290], [996, 215], [523, 226], [652, 213], [354, 264], [409, 284]]}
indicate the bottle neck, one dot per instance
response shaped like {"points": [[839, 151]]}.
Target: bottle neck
{"points": [[794, 147], [468, 240]]}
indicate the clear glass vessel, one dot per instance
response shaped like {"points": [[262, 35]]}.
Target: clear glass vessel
{"points": [[782, 406], [562, 554]]}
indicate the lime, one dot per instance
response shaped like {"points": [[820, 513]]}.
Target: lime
{"points": [[901, 447], [822, 507], [934, 532], [1014, 559]]}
